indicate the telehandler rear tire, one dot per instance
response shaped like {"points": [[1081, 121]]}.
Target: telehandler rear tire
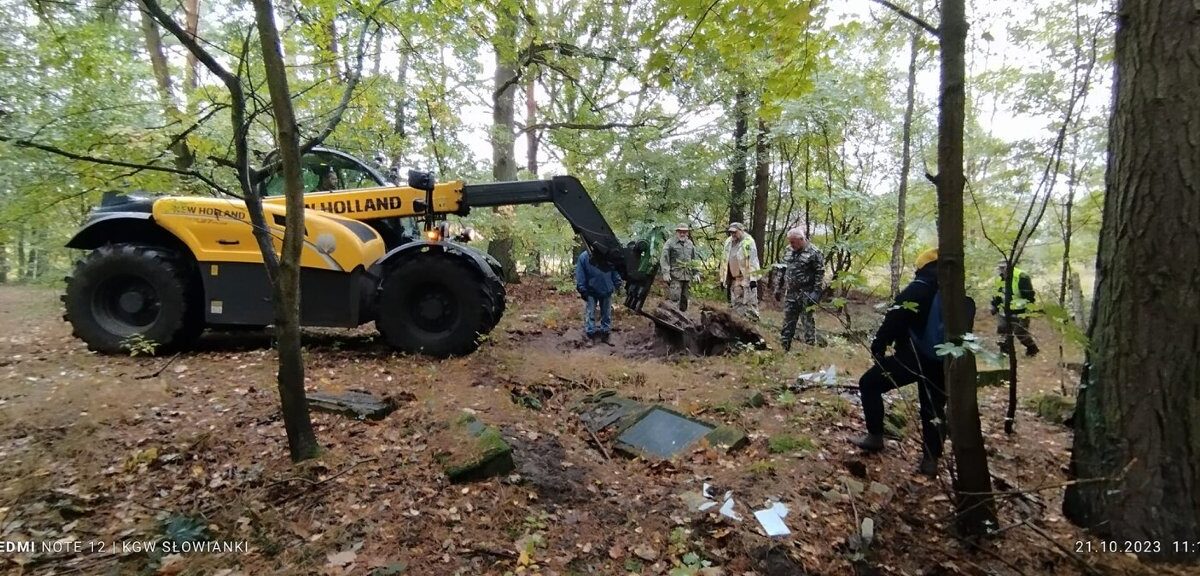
{"points": [[122, 291], [433, 304], [497, 294]]}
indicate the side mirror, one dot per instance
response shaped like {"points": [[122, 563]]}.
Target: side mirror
{"points": [[421, 180]]}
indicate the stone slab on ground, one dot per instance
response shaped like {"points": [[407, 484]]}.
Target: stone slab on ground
{"points": [[352, 403], [605, 409], [995, 377], [469, 450]]}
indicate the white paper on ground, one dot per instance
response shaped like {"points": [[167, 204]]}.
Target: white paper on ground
{"points": [[771, 522], [727, 509]]}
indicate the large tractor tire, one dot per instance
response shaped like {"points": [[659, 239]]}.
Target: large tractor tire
{"points": [[498, 295], [434, 304], [124, 290]]}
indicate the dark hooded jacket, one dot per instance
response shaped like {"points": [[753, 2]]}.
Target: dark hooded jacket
{"points": [[903, 318]]}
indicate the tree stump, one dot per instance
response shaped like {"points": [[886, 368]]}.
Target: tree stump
{"points": [[717, 332]]}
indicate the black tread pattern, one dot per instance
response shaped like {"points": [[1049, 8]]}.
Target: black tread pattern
{"points": [[477, 305], [182, 319]]}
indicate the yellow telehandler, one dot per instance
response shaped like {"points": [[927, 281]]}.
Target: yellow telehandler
{"points": [[165, 268]]}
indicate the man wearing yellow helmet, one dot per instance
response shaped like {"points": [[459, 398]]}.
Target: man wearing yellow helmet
{"points": [[907, 364]]}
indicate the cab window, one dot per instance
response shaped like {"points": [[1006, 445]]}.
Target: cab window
{"points": [[324, 173]]}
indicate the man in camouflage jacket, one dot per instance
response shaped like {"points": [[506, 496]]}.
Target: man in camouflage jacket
{"points": [[678, 267], [802, 281]]}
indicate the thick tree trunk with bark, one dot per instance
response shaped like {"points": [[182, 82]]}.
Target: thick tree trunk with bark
{"points": [[897, 263], [192, 23], [286, 296], [976, 513], [741, 148], [1137, 425], [504, 166], [532, 137], [162, 77], [762, 186]]}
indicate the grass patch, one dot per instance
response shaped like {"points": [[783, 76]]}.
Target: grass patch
{"points": [[786, 444], [762, 468], [787, 399]]}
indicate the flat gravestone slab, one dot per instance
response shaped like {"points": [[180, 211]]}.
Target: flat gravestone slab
{"points": [[662, 433], [352, 403]]}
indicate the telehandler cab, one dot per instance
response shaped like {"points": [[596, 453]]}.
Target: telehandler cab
{"points": [[165, 268]]}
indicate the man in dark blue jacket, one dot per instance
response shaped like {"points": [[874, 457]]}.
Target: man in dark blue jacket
{"points": [[905, 366], [596, 287]]}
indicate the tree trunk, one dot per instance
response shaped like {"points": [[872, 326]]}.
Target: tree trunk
{"points": [[531, 136], [905, 162], [504, 167], [302, 442], [399, 127], [972, 484], [762, 186], [741, 148], [3, 263], [192, 22], [162, 78], [1137, 448]]}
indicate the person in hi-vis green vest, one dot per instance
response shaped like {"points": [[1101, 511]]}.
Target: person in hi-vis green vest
{"points": [[1015, 320]]}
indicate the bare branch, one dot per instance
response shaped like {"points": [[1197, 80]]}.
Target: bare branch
{"points": [[908, 16], [580, 126], [23, 143]]}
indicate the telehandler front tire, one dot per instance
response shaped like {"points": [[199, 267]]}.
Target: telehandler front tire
{"points": [[433, 304], [122, 290]]}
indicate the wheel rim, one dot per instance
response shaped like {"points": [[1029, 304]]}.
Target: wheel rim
{"points": [[126, 305], [432, 309]]}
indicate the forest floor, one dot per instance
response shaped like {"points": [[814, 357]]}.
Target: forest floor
{"points": [[100, 455]]}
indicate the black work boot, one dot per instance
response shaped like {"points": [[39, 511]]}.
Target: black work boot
{"points": [[869, 442], [604, 337], [928, 466], [786, 345]]}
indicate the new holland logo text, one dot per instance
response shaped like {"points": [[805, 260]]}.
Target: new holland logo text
{"points": [[211, 212], [357, 205]]}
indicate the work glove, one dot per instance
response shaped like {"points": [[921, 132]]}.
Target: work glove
{"points": [[582, 295], [995, 310], [754, 284], [814, 296], [878, 349]]}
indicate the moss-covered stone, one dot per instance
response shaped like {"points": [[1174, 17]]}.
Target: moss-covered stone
{"points": [[470, 450], [752, 399], [727, 438]]}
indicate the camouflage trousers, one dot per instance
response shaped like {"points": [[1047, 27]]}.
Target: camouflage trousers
{"points": [[1019, 327], [744, 299], [794, 309], [677, 293]]}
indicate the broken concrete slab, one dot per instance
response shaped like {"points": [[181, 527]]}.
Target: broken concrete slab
{"points": [[353, 403], [470, 450]]}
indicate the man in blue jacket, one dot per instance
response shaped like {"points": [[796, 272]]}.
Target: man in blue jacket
{"points": [[596, 287]]}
